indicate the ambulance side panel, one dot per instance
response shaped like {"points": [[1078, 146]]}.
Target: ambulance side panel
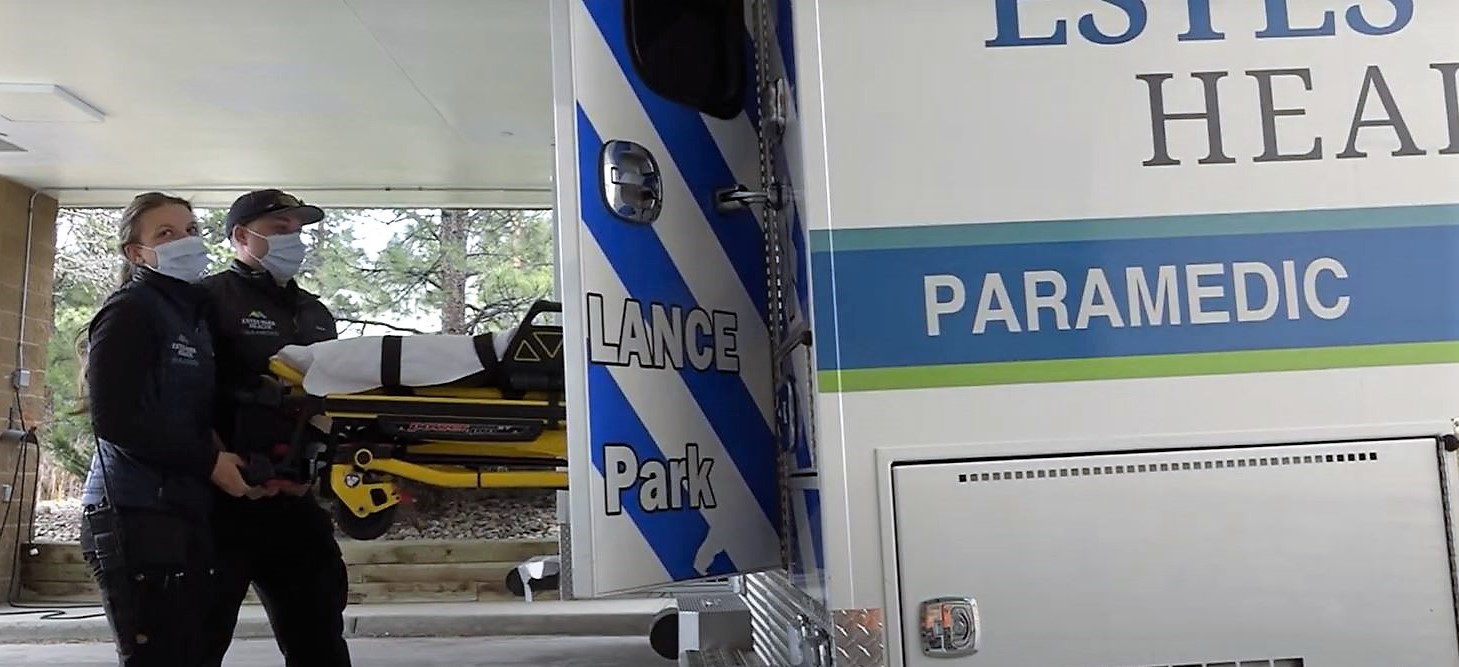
{"points": [[1190, 224]]}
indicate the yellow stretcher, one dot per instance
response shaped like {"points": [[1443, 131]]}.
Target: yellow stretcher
{"points": [[505, 428]]}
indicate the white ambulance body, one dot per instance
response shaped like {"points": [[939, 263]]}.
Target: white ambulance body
{"points": [[1018, 333]]}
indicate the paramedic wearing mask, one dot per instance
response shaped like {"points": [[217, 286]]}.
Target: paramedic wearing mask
{"points": [[149, 382], [283, 545]]}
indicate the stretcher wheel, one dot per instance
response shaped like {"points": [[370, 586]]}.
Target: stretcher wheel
{"points": [[367, 528], [663, 634]]}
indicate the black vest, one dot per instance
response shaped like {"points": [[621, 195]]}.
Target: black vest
{"points": [[182, 379]]}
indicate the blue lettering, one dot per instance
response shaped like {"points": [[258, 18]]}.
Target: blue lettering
{"points": [[1006, 12], [1200, 21], [1134, 12], [1403, 10], [1279, 24]]}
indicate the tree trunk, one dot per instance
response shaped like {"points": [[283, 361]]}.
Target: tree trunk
{"points": [[453, 271], [322, 235]]}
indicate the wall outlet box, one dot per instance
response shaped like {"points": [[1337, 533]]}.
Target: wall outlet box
{"points": [[20, 378], [6, 491]]}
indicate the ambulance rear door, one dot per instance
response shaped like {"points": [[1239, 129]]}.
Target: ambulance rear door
{"points": [[672, 458]]}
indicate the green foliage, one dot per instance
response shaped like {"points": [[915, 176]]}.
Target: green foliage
{"points": [[505, 257], [211, 223], [456, 271], [88, 268]]}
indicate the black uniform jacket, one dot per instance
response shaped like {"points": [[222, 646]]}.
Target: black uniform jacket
{"points": [[150, 378], [252, 318]]}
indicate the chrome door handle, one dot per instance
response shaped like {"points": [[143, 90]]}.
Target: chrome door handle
{"points": [[951, 627], [631, 183]]}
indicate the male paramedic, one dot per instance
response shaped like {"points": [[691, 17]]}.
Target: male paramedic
{"points": [[284, 544]]}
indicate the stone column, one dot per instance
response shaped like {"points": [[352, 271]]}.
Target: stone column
{"points": [[27, 222]]}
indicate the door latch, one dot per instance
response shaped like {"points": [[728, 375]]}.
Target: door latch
{"points": [[951, 627], [632, 185], [777, 116], [810, 646], [737, 197]]}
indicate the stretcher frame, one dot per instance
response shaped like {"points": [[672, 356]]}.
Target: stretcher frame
{"points": [[362, 461]]}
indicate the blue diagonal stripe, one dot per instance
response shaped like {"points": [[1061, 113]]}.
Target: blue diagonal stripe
{"points": [[644, 266], [808, 534], [803, 264], [694, 152], [752, 90], [674, 536], [784, 35], [793, 421], [813, 517], [798, 241]]}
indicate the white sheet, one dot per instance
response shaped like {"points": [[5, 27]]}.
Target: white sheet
{"points": [[351, 365]]}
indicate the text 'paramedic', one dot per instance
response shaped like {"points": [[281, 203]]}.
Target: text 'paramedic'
{"points": [[661, 336], [1133, 297], [663, 484]]}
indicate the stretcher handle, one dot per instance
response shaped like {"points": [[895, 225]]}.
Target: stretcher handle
{"points": [[539, 307]]}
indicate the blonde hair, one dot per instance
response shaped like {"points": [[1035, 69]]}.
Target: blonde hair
{"points": [[128, 233], [127, 229]]}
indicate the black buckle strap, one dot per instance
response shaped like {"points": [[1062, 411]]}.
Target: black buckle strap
{"points": [[390, 347]]}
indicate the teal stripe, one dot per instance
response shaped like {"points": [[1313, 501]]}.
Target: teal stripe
{"points": [[1223, 224]]}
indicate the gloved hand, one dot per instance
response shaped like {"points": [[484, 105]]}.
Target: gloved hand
{"points": [[290, 488], [257, 470], [266, 479], [228, 475]]}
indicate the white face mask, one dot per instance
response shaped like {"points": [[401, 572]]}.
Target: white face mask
{"points": [[184, 259], [284, 257]]}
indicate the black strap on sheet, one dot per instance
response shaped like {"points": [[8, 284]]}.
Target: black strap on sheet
{"points": [[390, 362], [485, 346]]}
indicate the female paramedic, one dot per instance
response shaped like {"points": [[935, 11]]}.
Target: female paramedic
{"points": [[149, 385]]}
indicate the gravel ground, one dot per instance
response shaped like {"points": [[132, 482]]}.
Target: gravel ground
{"points": [[434, 514], [58, 520], [479, 515]]}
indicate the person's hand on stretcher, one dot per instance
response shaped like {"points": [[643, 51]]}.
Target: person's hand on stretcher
{"points": [[290, 487], [274, 487], [228, 475]]}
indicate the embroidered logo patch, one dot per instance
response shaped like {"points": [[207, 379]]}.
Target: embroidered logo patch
{"points": [[257, 323], [184, 352]]}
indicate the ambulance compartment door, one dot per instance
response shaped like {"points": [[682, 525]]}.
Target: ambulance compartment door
{"points": [[673, 473], [1301, 555]]}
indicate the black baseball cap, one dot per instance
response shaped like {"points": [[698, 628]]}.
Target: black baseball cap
{"points": [[259, 203]]}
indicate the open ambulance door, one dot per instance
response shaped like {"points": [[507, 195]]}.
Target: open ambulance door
{"points": [[673, 473]]}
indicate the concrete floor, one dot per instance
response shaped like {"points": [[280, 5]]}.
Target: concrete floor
{"points": [[462, 652]]}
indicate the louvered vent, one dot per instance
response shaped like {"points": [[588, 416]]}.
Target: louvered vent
{"points": [[1035, 472]]}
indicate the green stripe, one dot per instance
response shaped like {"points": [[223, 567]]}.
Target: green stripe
{"points": [[936, 236], [1152, 366]]}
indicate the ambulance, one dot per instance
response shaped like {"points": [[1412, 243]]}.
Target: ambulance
{"points": [[1015, 333]]}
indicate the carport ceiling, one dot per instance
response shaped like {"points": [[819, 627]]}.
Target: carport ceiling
{"points": [[445, 102]]}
